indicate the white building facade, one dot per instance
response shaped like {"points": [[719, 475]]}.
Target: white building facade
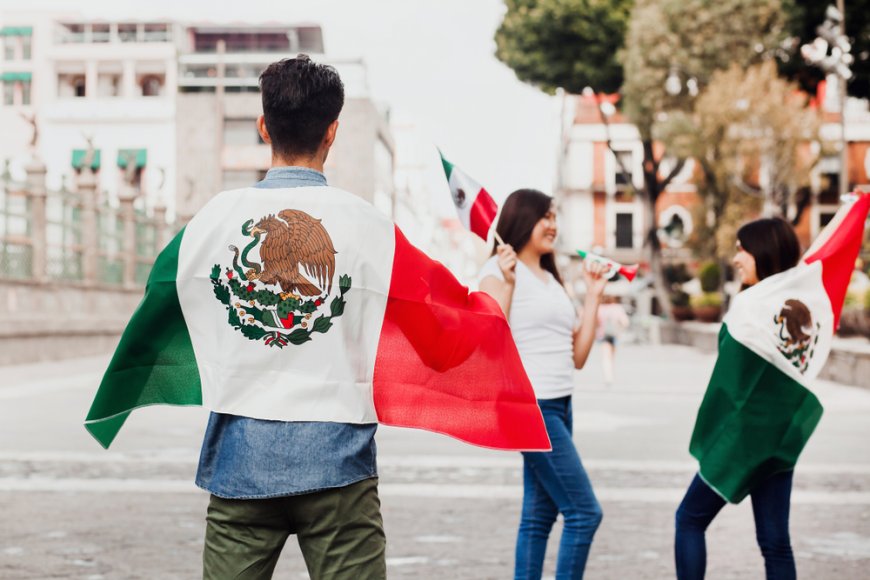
{"points": [[169, 107]]}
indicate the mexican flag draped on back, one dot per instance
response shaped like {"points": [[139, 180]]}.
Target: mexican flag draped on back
{"points": [[306, 304], [759, 409]]}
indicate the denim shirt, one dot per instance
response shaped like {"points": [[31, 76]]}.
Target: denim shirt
{"points": [[244, 458]]}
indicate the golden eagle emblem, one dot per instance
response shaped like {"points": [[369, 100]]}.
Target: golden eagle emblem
{"points": [[797, 335], [297, 254], [289, 287]]}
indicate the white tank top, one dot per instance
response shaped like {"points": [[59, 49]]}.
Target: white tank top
{"points": [[542, 322]]}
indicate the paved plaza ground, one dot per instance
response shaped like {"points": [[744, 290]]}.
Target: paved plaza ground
{"points": [[71, 510]]}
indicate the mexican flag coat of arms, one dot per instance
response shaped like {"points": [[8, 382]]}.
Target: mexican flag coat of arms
{"points": [[306, 304], [760, 408]]}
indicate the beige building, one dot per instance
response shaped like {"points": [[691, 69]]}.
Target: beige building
{"points": [[218, 103]]}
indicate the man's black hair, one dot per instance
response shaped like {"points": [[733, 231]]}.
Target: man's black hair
{"points": [[301, 99]]}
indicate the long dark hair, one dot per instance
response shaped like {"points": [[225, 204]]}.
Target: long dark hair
{"points": [[773, 244], [522, 210]]}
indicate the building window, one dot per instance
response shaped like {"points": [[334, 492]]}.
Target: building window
{"points": [[625, 230], [71, 33], [623, 169], [8, 93], [829, 180], [825, 218], [108, 85], [101, 33], [261, 41], [157, 33], [26, 47], [830, 192], [127, 32], [10, 44], [70, 85], [193, 71], [152, 85], [675, 225], [25, 92]]}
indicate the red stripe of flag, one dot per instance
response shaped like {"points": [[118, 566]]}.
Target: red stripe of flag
{"points": [[482, 213], [839, 252], [446, 361]]}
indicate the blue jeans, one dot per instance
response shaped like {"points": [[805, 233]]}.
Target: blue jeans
{"points": [[770, 506], [554, 483]]}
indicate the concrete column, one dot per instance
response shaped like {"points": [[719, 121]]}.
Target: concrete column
{"points": [[220, 108], [35, 186], [127, 197], [128, 80], [91, 79], [170, 82], [160, 226], [87, 188]]}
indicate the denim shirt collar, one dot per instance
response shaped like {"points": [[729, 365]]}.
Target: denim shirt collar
{"points": [[297, 175]]}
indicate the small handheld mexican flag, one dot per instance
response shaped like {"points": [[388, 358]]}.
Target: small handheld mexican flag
{"points": [[307, 304], [759, 409], [474, 204], [630, 272]]}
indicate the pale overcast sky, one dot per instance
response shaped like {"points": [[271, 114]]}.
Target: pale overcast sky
{"points": [[432, 63]]}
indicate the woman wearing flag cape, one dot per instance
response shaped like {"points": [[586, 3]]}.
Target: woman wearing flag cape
{"points": [[759, 412], [522, 276]]}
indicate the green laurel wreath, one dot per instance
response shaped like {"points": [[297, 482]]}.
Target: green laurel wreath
{"points": [[806, 352], [284, 308]]}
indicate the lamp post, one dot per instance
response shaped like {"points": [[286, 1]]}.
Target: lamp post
{"points": [[674, 86], [830, 51]]}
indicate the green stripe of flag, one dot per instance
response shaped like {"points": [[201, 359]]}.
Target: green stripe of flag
{"points": [[754, 421], [448, 167], [154, 362]]}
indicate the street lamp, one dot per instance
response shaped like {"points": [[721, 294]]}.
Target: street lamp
{"points": [[830, 51], [674, 86]]}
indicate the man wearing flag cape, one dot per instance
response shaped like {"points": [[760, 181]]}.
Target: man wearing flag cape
{"points": [[760, 409], [302, 318]]}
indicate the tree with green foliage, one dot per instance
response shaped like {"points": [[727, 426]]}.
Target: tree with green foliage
{"points": [[745, 118], [576, 43], [568, 44], [689, 40]]}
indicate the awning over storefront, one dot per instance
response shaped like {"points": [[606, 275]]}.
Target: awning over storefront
{"points": [[139, 155], [16, 31], [78, 159], [16, 76]]}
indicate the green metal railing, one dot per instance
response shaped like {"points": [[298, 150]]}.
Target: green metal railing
{"points": [[64, 248], [16, 250], [110, 260], [146, 246]]}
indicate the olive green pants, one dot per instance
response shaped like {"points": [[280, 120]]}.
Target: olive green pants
{"points": [[340, 532]]}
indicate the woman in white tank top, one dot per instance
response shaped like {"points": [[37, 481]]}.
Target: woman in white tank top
{"points": [[522, 276]]}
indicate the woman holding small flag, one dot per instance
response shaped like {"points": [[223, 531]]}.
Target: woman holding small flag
{"points": [[522, 276], [759, 410]]}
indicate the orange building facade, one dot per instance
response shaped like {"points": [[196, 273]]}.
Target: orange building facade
{"points": [[596, 183]]}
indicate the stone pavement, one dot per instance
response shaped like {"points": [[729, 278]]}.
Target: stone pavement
{"points": [[71, 510]]}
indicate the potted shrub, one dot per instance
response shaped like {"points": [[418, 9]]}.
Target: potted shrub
{"points": [[680, 306], [707, 307], [710, 277]]}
